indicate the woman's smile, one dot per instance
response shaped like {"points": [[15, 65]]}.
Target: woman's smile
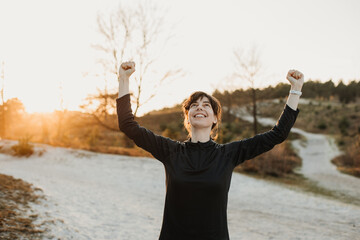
{"points": [[199, 115]]}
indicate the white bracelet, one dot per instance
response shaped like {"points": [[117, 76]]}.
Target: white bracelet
{"points": [[295, 92]]}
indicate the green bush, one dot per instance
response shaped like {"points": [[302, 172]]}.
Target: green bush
{"points": [[322, 126], [344, 125], [23, 148], [341, 142]]}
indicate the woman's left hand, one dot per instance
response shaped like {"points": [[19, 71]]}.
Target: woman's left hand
{"points": [[296, 79]]}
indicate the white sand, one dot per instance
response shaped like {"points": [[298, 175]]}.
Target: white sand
{"points": [[104, 196]]}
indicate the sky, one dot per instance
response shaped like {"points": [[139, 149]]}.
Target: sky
{"points": [[46, 46]]}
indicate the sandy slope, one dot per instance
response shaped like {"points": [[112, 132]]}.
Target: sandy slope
{"points": [[104, 196]]}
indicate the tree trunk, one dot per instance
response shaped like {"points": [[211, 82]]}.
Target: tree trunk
{"points": [[254, 110], [229, 104]]}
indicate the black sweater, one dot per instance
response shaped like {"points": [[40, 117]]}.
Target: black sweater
{"points": [[198, 174]]}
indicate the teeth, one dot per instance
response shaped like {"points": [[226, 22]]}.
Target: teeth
{"points": [[199, 115]]}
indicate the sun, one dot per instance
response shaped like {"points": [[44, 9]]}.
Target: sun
{"points": [[39, 105]]}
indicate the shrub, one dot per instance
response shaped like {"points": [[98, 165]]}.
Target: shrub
{"points": [[341, 142], [92, 137], [344, 125], [322, 126], [349, 162], [344, 160], [23, 148]]}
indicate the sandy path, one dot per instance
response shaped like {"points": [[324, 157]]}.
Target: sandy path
{"points": [[316, 156], [104, 196]]}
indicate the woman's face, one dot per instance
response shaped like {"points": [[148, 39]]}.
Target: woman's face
{"points": [[201, 114]]}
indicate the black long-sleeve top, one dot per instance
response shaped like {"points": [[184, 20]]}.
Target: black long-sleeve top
{"points": [[198, 174]]}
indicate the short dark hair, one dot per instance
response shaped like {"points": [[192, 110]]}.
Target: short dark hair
{"points": [[215, 104]]}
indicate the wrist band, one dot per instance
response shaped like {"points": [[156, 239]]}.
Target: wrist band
{"points": [[295, 92]]}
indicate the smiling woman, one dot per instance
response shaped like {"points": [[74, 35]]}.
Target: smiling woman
{"points": [[199, 170], [203, 112]]}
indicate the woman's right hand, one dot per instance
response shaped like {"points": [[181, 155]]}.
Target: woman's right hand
{"points": [[126, 69]]}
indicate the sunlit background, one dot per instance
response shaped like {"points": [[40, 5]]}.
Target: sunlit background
{"points": [[46, 46], [52, 65]]}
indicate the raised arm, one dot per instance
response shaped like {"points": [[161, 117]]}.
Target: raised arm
{"points": [[251, 147], [160, 147], [296, 80]]}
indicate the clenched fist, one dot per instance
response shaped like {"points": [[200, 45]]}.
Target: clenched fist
{"points": [[296, 79], [126, 69]]}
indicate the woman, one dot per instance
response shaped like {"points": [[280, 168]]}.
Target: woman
{"points": [[198, 171]]}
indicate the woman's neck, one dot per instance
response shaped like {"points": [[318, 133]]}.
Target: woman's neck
{"points": [[200, 136]]}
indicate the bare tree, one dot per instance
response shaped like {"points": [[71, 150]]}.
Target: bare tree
{"points": [[248, 68], [60, 114], [136, 33]]}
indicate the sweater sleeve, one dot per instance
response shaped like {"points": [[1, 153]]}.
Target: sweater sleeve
{"points": [[251, 147], [158, 146]]}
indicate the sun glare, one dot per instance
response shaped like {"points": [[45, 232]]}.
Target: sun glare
{"points": [[37, 105]]}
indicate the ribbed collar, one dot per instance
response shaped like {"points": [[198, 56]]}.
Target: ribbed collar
{"points": [[199, 144]]}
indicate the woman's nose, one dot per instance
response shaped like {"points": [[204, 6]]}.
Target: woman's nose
{"points": [[199, 107]]}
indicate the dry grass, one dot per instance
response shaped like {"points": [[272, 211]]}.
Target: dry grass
{"points": [[15, 220], [349, 162], [23, 148]]}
